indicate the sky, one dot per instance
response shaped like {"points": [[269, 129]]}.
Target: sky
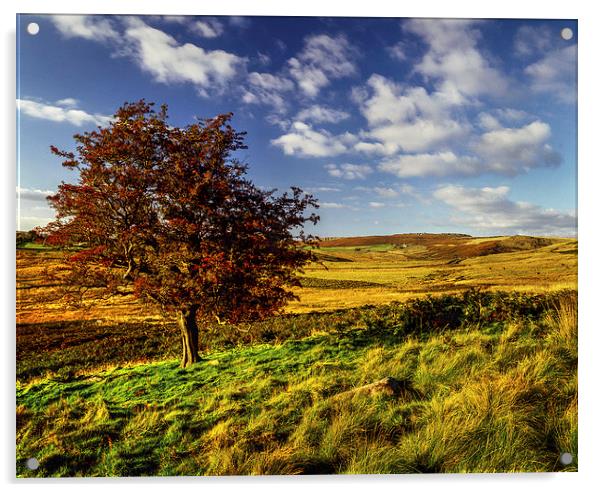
{"points": [[394, 125]]}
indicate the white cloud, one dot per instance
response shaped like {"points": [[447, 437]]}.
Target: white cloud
{"points": [[265, 88], [158, 53], [321, 114], [488, 122], [304, 141], [314, 189], [277, 119], [419, 135], [385, 192], [376, 204], [406, 119], [490, 209], [409, 190], [515, 150], [333, 205], [68, 102], [392, 192], [92, 27], [556, 73], [168, 61], [28, 222], [174, 19], [207, 28], [238, 21], [349, 171], [439, 164], [270, 82], [263, 58], [60, 114], [322, 59], [453, 58], [33, 194], [533, 40], [500, 150], [511, 114], [398, 51]]}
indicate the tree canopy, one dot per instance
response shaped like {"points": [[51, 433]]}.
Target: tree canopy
{"points": [[171, 212]]}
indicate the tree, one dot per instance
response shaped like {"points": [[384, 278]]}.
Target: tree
{"points": [[170, 212]]}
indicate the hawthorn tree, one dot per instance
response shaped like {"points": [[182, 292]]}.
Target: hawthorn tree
{"points": [[170, 212]]}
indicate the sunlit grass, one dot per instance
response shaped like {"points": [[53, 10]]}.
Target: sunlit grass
{"points": [[496, 394], [486, 397]]}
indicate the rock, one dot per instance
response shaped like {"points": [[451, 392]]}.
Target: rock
{"points": [[388, 386]]}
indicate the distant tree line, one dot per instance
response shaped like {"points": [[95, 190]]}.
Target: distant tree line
{"points": [[24, 237]]}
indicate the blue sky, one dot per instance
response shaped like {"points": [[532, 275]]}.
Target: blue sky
{"points": [[395, 125]]}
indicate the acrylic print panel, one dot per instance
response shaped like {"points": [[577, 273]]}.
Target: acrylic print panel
{"points": [[178, 314]]}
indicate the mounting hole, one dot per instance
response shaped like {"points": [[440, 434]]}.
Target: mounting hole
{"points": [[566, 34], [566, 458], [33, 28], [32, 464]]}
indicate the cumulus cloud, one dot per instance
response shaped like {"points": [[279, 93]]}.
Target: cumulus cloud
{"points": [[438, 164], [376, 204], [156, 52], [511, 114], [268, 89], [302, 140], [499, 150], [406, 119], [322, 114], [322, 59], [488, 122], [515, 150], [493, 120], [349, 171], [33, 194], [168, 61], [60, 114], [92, 27], [490, 209], [207, 28], [453, 58], [556, 73]]}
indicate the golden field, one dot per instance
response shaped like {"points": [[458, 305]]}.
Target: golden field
{"points": [[352, 272]]}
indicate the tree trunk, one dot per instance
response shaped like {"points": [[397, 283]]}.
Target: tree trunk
{"points": [[190, 336]]}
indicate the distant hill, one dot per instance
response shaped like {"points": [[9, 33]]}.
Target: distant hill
{"points": [[445, 246]]}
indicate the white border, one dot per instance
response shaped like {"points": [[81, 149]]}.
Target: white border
{"points": [[589, 223]]}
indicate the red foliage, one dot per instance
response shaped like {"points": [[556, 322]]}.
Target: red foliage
{"points": [[171, 211]]}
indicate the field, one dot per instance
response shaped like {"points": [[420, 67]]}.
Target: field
{"points": [[403, 354]]}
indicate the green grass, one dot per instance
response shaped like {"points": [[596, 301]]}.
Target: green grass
{"points": [[491, 378], [35, 246]]}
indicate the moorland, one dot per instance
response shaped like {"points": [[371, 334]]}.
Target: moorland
{"points": [[403, 354]]}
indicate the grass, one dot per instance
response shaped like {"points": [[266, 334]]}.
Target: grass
{"points": [[34, 246], [368, 274], [490, 378], [381, 273], [481, 334]]}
